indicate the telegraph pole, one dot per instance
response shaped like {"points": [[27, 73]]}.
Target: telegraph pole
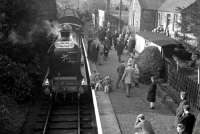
{"points": [[120, 15], [108, 11]]}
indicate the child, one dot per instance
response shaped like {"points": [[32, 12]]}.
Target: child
{"points": [[98, 82], [151, 96], [107, 84]]}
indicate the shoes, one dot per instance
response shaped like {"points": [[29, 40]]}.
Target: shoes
{"points": [[137, 85], [152, 107], [128, 96]]}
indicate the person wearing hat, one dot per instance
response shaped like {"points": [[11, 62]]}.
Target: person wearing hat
{"points": [[179, 110], [106, 47], [180, 129], [128, 77], [119, 47], [187, 119], [131, 60], [143, 126]]}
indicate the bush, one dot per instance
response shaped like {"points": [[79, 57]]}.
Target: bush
{"points": [[15, 79], [150, 63], [11, 118], [22, 65]]}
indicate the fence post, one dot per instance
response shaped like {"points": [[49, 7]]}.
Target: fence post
{"points": [[168, 73], [177, 64], [198, 75]]}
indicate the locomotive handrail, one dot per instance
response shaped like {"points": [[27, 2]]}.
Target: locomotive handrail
{"points": [[88, 72]]}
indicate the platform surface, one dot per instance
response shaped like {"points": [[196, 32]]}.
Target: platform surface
{"points": [[126, 109], [108, 118]]}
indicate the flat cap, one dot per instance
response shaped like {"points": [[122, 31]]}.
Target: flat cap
{"points": [[141, 116], [186, 107]]}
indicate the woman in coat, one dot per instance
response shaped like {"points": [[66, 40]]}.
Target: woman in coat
{"points": [[119, 47], [128, 77], [151, 96]]}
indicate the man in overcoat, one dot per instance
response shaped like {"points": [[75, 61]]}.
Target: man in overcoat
{"points": [[179, 110], [187, 119], [120, 71], [131, 45], [119, 47], [93, 51], [114, 38]]}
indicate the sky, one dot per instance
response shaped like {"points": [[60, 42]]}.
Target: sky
{"points": [[99, 2]]}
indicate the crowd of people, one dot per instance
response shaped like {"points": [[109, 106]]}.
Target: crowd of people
{"points": [[185, 119], [128, 78], [99, 48], [184, 122]]}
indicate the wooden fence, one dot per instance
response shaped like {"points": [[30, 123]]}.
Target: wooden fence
{"points": [[178, 79]]}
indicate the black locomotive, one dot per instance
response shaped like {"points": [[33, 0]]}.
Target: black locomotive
{"points": [[64, 73]]}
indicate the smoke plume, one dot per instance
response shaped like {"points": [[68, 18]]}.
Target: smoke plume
{"points": [[51, 28]]}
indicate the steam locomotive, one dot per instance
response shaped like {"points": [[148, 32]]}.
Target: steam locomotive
{"points": [[64, 73]]}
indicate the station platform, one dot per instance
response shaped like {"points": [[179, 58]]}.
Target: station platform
{"points": [[118, 113], [108, 120]]}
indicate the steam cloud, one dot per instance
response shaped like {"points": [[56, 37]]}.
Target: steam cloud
{"points": [[51, 28]]}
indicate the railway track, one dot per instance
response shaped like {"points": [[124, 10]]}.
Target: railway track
{"points": [[73, 116]]}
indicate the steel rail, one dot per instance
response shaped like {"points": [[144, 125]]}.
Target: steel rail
{"points": [[47, 119], [79, 121]]}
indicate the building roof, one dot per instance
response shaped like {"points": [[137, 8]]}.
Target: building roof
{"points": [[151, 4], [157, 38], [172, 5]]}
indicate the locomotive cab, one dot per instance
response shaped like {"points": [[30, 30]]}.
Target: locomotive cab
{"points": [[65, 35]]}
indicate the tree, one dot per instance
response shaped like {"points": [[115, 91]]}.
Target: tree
{"points": [[190, 21], [17, 14], [23, 45], [24, 40], [150, 63]]}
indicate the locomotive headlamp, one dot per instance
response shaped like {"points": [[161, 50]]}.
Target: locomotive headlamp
{"points": [[46, 82], [47, 89]]}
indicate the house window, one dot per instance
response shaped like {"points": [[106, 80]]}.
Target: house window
{"points": [[175, 21], [168, 19], [147, 43], [159, 19]]}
